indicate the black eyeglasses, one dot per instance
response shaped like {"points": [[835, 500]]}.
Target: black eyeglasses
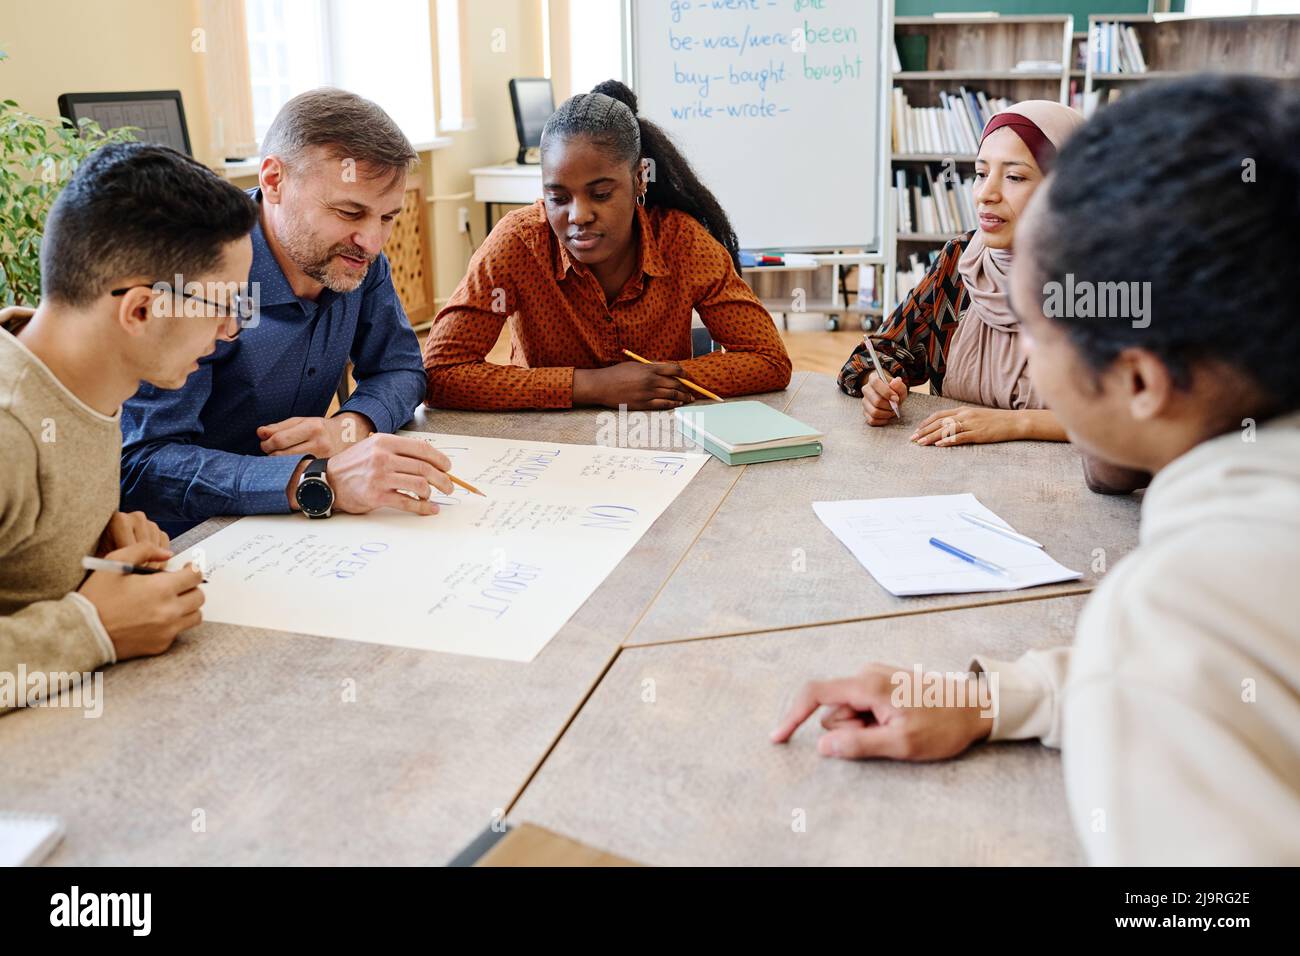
{"points": [[240, 308]]}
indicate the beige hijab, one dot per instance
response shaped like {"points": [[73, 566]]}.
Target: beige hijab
{"points": [[984, 366]]}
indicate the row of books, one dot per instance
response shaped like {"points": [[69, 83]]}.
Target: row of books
{"points": [[908, 274], [953, 127], [1115, 49], [930, 201]]}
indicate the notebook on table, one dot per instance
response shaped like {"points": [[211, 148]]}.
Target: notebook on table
{"points": [[742, 433]]}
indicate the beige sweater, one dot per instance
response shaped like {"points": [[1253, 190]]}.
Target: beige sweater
{"points": [[59, 465], [1178, 709]]}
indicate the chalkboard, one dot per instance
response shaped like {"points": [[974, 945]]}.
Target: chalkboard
{"points": [[780, 105]]}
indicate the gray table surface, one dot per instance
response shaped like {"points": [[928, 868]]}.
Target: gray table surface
{"points": [[690, 776], [766, 562], [247, 730], [243, 745]]}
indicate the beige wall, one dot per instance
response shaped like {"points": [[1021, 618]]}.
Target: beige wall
{"points": [[61, 46], [493, 138], [72, 46]]}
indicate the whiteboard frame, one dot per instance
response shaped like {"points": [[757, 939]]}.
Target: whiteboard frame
{"points": [[883, 252]]}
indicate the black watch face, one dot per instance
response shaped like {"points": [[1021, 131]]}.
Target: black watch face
{"points": [[315, 496]]}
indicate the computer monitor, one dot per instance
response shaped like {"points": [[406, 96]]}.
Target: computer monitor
{"points": [[157, 115], [533, 103]]}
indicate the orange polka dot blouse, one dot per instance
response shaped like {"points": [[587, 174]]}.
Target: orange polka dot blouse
{"points": [[560, 320]]}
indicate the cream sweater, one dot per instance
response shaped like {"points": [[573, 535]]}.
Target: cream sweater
{"points": [[59, 464], [1178, 709]]}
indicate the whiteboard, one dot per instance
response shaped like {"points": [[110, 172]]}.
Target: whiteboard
{"points": [[779, 105]]}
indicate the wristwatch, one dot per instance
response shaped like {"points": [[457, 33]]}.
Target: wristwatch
{"points": [[314, 495]]}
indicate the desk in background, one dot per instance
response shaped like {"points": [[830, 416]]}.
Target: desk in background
{"points": [[506, 183]]}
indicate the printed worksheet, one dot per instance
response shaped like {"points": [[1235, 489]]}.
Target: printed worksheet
{"points": [[891, 538], [493, 576]]}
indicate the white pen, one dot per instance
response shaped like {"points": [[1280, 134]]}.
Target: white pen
{"points": [[875, 360], [1005, 532], [122, 567]]}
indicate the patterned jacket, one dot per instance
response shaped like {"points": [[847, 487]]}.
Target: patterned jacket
{"points": [[913, 341]]}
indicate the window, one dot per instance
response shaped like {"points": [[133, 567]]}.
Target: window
{"points": [[583, 43], [595, 43], [297, 45], [285, 54], [452, 88]]}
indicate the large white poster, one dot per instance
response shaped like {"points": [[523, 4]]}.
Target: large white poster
{"points": [[496, 576]]}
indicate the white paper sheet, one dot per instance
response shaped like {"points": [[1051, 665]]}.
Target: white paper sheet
{"points": [[28, 838], [891, 537], [490, 577]]}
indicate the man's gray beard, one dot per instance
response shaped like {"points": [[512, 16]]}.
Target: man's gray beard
{"points": [[320, 272]]}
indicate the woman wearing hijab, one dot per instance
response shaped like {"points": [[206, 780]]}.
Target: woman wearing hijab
{"points": [[955, 330]]}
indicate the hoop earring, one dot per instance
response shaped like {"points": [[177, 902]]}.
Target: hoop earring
{"points": [[640, 200]]}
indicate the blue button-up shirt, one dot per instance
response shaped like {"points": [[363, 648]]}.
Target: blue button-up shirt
{"points": [[192, 453]]}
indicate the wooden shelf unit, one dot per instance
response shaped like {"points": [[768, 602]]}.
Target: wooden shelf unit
{"points": [[978, 52], [1175, 45], [983, 50]]}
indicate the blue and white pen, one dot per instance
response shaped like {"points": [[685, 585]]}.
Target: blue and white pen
{"points": [[988, 566], [998, 529]]}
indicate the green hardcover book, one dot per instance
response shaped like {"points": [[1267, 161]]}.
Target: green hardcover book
{"points": [[742, 433]]}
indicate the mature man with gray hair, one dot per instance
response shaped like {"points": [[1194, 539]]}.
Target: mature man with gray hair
{"points": [[247, 434]]}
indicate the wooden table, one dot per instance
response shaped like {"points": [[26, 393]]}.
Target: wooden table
{"points": [[247, 746]]}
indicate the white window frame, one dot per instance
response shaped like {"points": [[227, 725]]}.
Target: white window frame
{"points": [[317, 28]]}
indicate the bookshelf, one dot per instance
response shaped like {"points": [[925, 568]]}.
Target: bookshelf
{"points": [[1175, 45], [981, 51]]}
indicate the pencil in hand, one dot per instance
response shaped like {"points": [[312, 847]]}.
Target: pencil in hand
{"points": [[884, 379], [466, 485], [434, 491], [685, 381]]}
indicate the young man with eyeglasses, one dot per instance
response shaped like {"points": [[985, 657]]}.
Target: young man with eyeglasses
{"points": [[248, 434], [105, 324]]}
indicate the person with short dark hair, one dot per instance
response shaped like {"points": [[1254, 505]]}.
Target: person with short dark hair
{"points": [[239, 437], [1177, 710], [625, 243], [132, 218]]}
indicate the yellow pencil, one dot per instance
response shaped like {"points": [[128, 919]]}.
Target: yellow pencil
{"points": [[685, 381], [465, 484]]}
